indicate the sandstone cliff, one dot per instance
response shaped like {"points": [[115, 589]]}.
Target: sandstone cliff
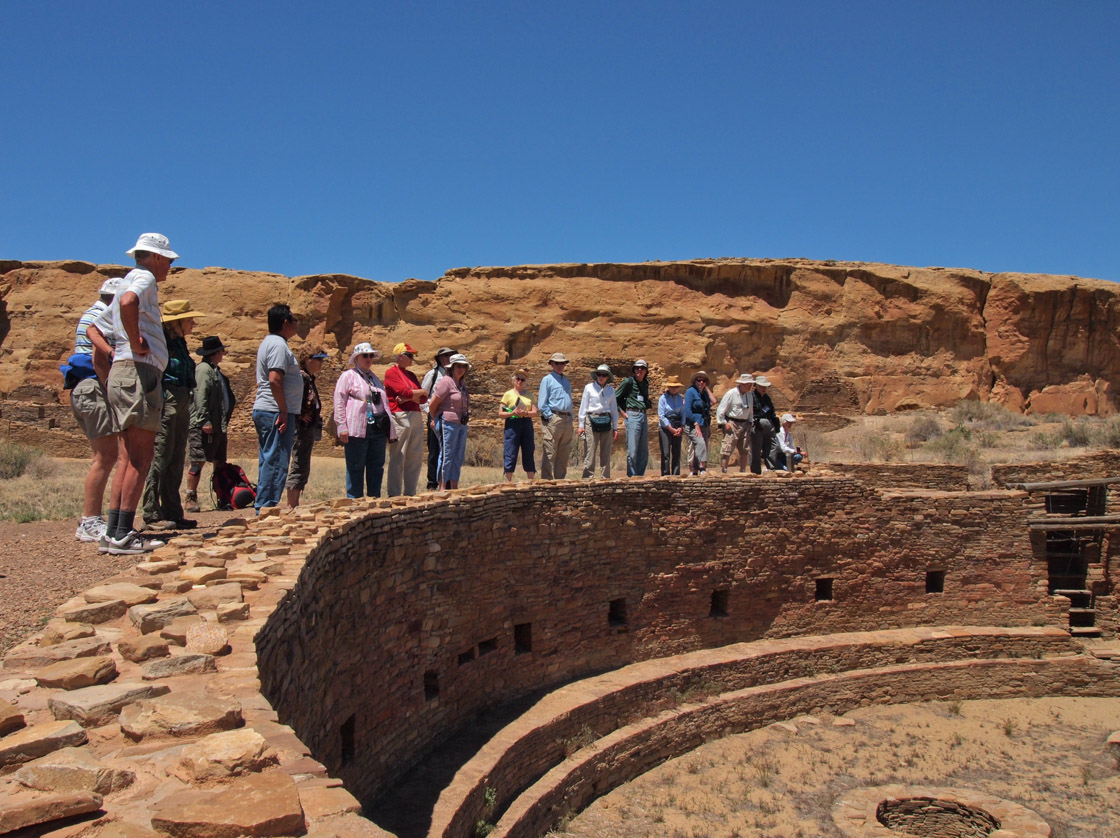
{"points": [[832, 336]]}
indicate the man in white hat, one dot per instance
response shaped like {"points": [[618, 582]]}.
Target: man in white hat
{"points": [[90, 405], [790, 456], [139, 356], [736, 416], [440, 368], [764, 444], [555, 404]]}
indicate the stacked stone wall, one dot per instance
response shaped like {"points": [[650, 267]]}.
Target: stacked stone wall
{"points": [[947, 478], [406, 623], [1091, 466]]}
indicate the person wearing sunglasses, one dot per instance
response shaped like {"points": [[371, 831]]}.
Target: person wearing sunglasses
{"points": [[361, 415], [405, 398], [518, 410]]}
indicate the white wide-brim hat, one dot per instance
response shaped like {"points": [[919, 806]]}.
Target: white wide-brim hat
{"points": [[761, 381], [458, 358], [362, 349], [788, 418], [745, 378], [153, 243]]}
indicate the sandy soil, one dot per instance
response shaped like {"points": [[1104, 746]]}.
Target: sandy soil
{"points": [[1046, 754], [42, 565]]}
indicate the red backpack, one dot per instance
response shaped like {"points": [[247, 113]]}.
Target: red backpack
{"points": [[231, 486]]}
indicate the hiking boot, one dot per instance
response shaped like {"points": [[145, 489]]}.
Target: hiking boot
{"points": [[186, 524], [159, 525], [192, 502], [131, 544], [91, 529]]}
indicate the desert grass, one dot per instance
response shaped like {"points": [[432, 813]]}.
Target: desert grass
{"points": [[1048, 754]]}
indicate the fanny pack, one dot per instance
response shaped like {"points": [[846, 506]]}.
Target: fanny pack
{"points": [[600, 423]]}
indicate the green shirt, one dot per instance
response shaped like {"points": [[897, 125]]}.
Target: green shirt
{"points": [[633, 394]]}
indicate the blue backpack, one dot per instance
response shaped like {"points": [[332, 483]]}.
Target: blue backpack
{"points": [[77, 368]]}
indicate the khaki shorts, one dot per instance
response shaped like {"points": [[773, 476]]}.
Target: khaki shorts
{"points": [[135, 396], [206, 448], [739, 439], [90, 405]]}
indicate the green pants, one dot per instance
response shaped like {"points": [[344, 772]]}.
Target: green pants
{"points": [[161, 490]]}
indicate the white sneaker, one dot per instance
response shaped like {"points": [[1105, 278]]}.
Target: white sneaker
{"points": [[131, 544], [91, 529]]}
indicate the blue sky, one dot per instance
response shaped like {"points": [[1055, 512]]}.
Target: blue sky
{"points": [[394, 140]]}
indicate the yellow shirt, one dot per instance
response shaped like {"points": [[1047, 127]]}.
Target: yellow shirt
{"points": [[513, 400]]}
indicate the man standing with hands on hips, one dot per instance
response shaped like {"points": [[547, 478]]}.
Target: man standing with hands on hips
{"points": [[555, 404], [277, 405]]}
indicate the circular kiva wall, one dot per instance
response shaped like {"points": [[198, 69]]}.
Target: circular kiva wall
{"points": [[409, 619]]}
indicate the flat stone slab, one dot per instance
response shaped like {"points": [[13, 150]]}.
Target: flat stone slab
{"points": [[180, 714], [143, 648], [221, 756], [209, 598], [256, 805], [175, 632], [149, 618], [11, 718], [207, 638], [202, 575], [39, 740], [156, 568], [73, 769], [321, 802], [188, 664], [78, 610], [59, 631], [78, 673], [231, 611], [19, 811], [27, 656], [126, 592], [96, 706]]}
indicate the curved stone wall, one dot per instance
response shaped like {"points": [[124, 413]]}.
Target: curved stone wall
{"points": [[409, 620]]}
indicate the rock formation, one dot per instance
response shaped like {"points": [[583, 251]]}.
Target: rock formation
{"points": [[838, 337]]}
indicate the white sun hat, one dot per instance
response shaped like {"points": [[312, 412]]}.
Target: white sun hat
{"points": [[153, 243], [364, 349]]}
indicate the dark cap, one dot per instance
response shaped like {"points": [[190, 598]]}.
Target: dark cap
{"points": [[210, 345]]}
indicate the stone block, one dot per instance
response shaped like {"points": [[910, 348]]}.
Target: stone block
{"points": [[73, 769], [222, 756], [10, 718], [39, 740], [180, 714], [27, 656], [78, 673], [61, 631], [143, 648], [149, 618], [209, 598], [126, 592], [322, 802], [157, 568], [231, 611], [176, 631], [189, 664], [96, 706], [202, 575], [256, 805], [20, 811], [207, 638], [77, 610]]}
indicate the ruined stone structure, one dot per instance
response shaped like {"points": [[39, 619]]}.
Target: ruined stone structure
{"points": [[343, 643]]}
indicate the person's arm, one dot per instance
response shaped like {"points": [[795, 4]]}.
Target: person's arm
{"points": [[102, 352], [721, 411], [130, 322], [543, 398], [584, 399], [341, 393]]}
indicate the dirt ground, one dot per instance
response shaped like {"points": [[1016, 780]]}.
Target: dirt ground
{"points": [[1047, 754], [42, 565]]}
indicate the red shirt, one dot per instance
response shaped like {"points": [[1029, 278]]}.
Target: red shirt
{"points": [[400, 381]]}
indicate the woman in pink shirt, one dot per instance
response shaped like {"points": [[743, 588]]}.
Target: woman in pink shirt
{"points": [[361, 413], [450, 404]]}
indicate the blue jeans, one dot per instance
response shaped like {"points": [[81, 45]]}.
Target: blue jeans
{"points": [[637, 443], [454, 451], [274, 453], [365, 464], [519, 436]]}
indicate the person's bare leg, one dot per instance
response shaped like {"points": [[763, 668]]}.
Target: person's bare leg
{"points": [[105, 449], [139, 446]]}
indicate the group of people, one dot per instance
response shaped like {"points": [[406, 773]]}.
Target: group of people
{"points": [[144, 403]]}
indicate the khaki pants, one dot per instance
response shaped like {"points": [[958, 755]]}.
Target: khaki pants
{"points": [[597, 442], [161, 489], [557, 446], [406, 456]]}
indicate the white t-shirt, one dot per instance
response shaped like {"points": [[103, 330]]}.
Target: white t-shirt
{"points": [[274, 354], [142, 283]]}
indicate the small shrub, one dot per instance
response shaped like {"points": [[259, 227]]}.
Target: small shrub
{"points": [[1077, 434], [955, 446], [1108, 433], [923, 429], [876, 448], [1009, 726], [1044, 440], [15, 458], [989, 416], [954, 708]]}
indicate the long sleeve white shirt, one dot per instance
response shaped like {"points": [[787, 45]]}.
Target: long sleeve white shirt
{"points": [[597, 399]]}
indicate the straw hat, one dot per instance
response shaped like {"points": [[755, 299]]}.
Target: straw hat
{"points": [[179, 310]]}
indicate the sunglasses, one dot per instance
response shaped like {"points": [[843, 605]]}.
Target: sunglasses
{"points": [[519, 378], [368, 355]]}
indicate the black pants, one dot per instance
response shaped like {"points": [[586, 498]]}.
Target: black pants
{"points": [[764, 449], [433, 457], [670, 451]]}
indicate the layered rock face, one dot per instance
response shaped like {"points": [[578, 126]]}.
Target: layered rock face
{"points": [[833, 336]]}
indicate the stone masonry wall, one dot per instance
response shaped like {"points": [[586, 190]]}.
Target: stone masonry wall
{"points": [[1092, 466], [408, 621]]}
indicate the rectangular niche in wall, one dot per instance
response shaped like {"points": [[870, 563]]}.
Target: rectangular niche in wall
{"points": [[824, 590], [431, 685], [485, 647], [466, 657], [522, 638], [935, 581], [616, 613], [719, 603]]}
